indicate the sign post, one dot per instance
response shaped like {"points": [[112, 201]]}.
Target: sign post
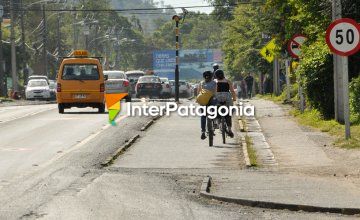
{"points": [[343, 39], [3, 88]]}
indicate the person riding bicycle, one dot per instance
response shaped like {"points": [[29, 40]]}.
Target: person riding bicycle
{"points": [[215, 67], [225, 93], [210, 85]]}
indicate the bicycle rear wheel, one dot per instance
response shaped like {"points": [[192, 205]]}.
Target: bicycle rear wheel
{"points": [[210, 128], [223, 130]]}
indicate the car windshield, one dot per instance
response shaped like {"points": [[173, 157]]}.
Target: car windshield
{"points": [[37, 83], [80, 72], [52, 85], [134, 75], [182, 83], [115, 75], [149, 80], [165, 80]]}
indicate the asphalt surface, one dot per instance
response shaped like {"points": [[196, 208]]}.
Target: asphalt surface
{"points": [[50, 168]]}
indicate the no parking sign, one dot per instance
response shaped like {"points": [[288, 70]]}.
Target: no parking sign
{"points": [[294, 45]]}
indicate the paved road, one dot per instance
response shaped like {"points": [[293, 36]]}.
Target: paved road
{"points": [[50, 169], [33, 135]]}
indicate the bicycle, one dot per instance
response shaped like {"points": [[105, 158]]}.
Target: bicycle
{"points": [[211, 130], [223, 126]]}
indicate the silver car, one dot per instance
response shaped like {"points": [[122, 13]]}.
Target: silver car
{"points": [[117, 82], [133, 77], [166, 88], [184, 88], [37, 89]]}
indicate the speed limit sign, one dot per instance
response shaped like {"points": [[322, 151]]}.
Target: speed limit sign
{"points": [[343, 37]]}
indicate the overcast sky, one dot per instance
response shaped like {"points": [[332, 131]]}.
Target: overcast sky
{"points": [[182, 3]]}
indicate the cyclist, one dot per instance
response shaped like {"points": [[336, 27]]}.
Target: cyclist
{"points": [[225, 91], [208, 84], [215, 67]]}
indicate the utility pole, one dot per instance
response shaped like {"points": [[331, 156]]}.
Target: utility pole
{"points": [[45, 42], [15, 86], [338, 75], [276, 76], [2, 75], [341, 80], [177, 72], [74, 29], [58, 26], [23, 51]]}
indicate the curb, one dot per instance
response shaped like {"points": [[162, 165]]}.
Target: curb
{"points": [[147, 125], [244, 145], [120, 151], [205, 185], [245, 152], [205, 193]]}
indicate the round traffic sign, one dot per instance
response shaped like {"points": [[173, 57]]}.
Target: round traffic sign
{"points": [[294, 45], [343, 37]]}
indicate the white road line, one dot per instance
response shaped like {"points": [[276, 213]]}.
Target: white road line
{"points": [[82, 143], [27, 115]]}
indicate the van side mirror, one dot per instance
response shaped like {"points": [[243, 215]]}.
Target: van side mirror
{"points": [[106, 77]]}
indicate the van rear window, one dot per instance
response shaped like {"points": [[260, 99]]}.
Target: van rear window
{"points": [[80, 72]]}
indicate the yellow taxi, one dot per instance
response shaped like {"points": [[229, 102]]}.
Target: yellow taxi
{"points": [[80, 82]]}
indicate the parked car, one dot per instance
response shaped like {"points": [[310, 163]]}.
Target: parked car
{"points": [[133, 77], [52, 86], [117, 82], [37, 89], [148, 86], [166, 88]]}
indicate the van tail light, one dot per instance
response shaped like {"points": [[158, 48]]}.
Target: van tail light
{"points": [[138, 86], [126, 83], [58, 87], [102, 87]]}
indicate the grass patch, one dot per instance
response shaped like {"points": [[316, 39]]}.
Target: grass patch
{"points": [[313, 118], [270, 97], [251, 151], [4, 99]]}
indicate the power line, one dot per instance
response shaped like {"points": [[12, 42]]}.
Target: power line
{"points": [[136, 9]]}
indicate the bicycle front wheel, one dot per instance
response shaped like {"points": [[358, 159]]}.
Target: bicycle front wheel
{"points": [[210, 128], [223, 129]]}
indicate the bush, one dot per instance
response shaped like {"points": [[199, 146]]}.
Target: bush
{"points": [[355, 96], [316, 74]]}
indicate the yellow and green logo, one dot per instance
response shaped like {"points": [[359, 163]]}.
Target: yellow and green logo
{"points": [[114, 106]]}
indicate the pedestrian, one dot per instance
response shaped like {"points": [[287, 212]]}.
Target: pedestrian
{"points": [[249, 79]]}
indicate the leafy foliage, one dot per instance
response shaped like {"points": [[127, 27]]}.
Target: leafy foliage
{"points": [[316, 74], [355, 96]]}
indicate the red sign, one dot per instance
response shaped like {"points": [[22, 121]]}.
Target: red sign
{"points": [[294, 45], [343, 37]]}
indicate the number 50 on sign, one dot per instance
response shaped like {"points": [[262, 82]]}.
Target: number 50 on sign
{"points": [[343, 37]]}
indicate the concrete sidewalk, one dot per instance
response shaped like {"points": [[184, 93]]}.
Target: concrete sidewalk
{"points": [[291, 191], [284, 182], [174, 142]]}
